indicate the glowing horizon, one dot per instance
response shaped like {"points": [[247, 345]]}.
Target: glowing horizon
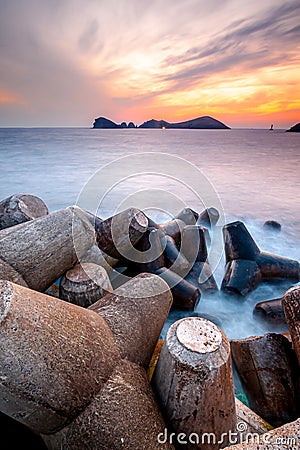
{"points": [[64, 64]]}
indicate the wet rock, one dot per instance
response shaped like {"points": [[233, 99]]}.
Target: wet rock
{"points": [[272, 225]]}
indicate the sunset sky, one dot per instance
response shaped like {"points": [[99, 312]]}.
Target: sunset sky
{"points": [[65, 62]]}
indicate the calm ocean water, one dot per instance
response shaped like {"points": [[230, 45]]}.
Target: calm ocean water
{"points": [[253, 172]]}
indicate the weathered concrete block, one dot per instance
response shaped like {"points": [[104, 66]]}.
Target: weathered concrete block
{"points": [[193, 381], [9, 273], [247, 265], [254, 423], [185, 294], [124, 415], [136, 313], [291, 307], [150, 253], [97, 256], [174, 259], [21, 208], [117, 235], [174, 229], [54, 357], [202, 277], [188, 216], [84, 284], [268, 371], [193, 246], [43, 249], [241, 277], [209, 217], [270, 310], [62, 373]]}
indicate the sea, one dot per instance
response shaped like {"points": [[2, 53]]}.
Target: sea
{"points": [[251, 175]]}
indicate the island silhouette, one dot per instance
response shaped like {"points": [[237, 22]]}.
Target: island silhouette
{"points": [[204, 122], [295, 128]]}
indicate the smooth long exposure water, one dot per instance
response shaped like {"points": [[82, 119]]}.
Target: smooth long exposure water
{"points": [[254, 172]]}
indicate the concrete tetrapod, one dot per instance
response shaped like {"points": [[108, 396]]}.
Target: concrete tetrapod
{"points": [[6, 231], [150, 253], [111, 420], [209, 217], [193, 243], [188, 215], [194, 384], [185, 294], [247, 265], [54, 357], [254, 423], [193, 246], [201, 276], [9, 273], [84, 284], [63, 375], [174, 229], [267, 367], [173, 258], [142, 304], [21, 208], [165, 252], [291, 307], [124, 415], [97, 256], [118, 234], [241, 276], [43, 249], [270, 310]]}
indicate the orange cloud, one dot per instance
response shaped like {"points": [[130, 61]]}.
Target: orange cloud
{"points": [[259, 96], [132, 61], [9, 98]]}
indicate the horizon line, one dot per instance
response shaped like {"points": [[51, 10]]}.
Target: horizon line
{"points": [[135, 128]]}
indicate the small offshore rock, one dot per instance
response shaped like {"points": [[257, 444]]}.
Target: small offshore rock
{"points": [[272, 225]]}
